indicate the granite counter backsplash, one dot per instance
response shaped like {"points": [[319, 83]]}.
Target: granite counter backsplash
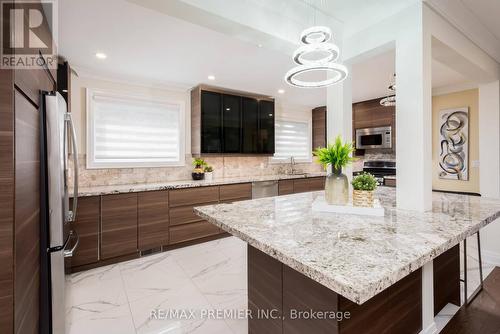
{"points": [[224, 167]]}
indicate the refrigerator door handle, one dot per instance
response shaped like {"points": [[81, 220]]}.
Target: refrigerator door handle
{"points": [[72, 213], [69, 252]]}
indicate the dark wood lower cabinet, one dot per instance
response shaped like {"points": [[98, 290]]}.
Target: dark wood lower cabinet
{"points": [[300, 186], [275, 287], [265, 293], [118, 225], [235, 192], [193, 196], [316, 183], [447, 279], [285, 187], [152, 219], [185, 215], [87, 227], [188, 232], [309, 184], [121, 226]]}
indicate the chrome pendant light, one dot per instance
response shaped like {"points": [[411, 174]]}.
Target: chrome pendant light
{"points": [[390, 99], [316, 40]]}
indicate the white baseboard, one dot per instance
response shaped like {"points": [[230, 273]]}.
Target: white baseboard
{"points": [[490, 257], [431, 329]]}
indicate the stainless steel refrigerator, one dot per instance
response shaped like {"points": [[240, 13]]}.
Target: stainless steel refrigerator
{"points": [[58, 240]]}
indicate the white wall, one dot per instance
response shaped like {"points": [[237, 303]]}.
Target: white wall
{"points": [[489, 156], [78, 102], [489, 139]]}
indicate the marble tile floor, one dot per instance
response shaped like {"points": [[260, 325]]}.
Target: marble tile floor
{"points": [[120, 298]]}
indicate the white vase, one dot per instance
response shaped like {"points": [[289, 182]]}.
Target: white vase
{"points": [[209, 176], [336, 187]]}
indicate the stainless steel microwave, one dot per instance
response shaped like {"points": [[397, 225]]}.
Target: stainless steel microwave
{"points": [[374, 138]]}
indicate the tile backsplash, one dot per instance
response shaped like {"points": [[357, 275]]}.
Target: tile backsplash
{"points": [[223, 167]]}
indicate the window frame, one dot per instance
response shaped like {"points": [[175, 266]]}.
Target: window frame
{"points": [[274, 160], [90, 112]]}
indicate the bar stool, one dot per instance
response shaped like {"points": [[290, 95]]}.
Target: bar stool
{"points": [[480, 287]]}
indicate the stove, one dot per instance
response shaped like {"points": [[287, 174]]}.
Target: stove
{"points": [[379, 169]]}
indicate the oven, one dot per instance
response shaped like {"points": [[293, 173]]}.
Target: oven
{"points": [[381, 170], [368, 138]]}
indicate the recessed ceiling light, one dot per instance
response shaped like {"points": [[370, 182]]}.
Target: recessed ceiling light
{"points": [[211, 77], [281, 91], [259, 45], [101, 55]]}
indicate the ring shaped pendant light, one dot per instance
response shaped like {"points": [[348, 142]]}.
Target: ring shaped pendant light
{"points": [[315, 40], [339, 71], [330, 49], [389, 101], [315, 35]]}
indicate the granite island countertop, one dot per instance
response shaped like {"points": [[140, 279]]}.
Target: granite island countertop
{"points": [[355, 256], [179, 184]]}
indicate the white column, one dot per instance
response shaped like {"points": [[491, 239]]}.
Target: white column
{"points": [[489, 163], [489, 139], [428, 324], [339, 113], [414, 114]]}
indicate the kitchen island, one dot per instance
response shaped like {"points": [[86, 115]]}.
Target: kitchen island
{"points": [[377, 270]]}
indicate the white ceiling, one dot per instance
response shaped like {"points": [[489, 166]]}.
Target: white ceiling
{"points": [[359, 14], [146, 46], [370, 78], [487, 11], [476, 19]]}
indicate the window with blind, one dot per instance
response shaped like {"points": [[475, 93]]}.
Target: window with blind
{"points": [[124, 131], [293, 139]]}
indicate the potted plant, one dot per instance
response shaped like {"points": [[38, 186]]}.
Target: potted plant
{"points": [[364, 186], [199, 169], [209, 171], [333, 158]]}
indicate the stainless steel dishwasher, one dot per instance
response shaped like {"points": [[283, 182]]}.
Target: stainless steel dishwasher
{"points": [[264, 189]]}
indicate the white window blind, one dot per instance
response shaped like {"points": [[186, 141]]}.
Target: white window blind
{"points": [[292, 139], [133, 132]]}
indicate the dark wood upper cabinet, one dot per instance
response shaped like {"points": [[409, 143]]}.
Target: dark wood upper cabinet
{"points": [[211, 121], [318, 127], [266, 126], [250, 125], [231, 122], [370, 114], [119, 225], [64, 82]]}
